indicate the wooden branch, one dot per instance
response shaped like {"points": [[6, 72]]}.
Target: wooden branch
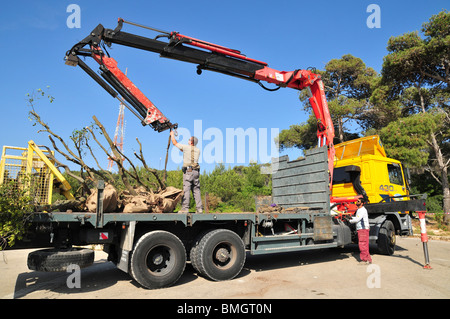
{"points": [[162, 184], [135, 176], [58, 164], [47, 129], [122, 171], [67, 157], [110, 178], [437, 77], [84, 182], [70, 156], [430, 170], [90, 170]]}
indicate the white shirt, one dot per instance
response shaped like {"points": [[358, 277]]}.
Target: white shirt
{"points": [[361, 219]]}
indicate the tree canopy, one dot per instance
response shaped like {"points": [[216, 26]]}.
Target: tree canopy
{"points": [[407, 104], [348, 86]]}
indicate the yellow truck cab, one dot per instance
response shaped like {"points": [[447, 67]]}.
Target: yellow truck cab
{"points": [[380, 177], [361, 167]]}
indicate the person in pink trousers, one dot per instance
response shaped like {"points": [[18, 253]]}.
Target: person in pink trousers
{"points": [[361, 219]]}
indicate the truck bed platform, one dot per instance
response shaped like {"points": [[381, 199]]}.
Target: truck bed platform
{"points": [[188, 219]]}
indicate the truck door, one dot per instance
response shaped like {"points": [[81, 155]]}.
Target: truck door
{"points": [[396, 186]]}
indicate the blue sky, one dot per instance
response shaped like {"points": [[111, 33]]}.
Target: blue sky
{"points": [[288, 35]]}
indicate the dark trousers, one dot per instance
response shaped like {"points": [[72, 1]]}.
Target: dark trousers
{"points": [[191, 182]]}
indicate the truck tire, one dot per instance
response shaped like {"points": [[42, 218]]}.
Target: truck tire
{"points": [[193, 258], [220, 255], [158, 260], [386, 238], [59, 259], [193, 252]]}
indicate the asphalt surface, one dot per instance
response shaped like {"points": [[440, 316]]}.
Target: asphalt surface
{"points": [[321, 274]]}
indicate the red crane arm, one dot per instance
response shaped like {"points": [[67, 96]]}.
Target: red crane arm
{"points": [[298, 79], [207, 56], [154, 115], [301, 79]]}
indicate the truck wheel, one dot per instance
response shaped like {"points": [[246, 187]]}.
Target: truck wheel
{"points": [[386, 238], [193, 253], [220, 255], [158, 260], [59, 259]]}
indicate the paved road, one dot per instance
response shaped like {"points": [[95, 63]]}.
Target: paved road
{"points": [[322, 274]]}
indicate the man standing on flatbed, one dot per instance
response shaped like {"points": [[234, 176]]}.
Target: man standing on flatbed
{"points": [[191, 173]]}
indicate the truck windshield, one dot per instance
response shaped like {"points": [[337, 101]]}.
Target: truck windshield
{"points": [[395, 174], [340, 176]]}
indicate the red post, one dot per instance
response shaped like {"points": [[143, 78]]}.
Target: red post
{"points": [[424, 238]]}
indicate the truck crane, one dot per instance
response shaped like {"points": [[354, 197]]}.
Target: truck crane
{"points": [[217, 58], [207, 56]]}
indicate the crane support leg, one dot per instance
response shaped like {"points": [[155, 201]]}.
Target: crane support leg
{"points": [[424, 238]]}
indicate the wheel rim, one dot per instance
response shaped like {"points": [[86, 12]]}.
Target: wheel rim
{"points": [[224, 255], [160, 260], [392, 238]]}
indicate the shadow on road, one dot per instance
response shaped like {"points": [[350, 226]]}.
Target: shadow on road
{"points": [[100, 275], [103, 274], [309, 257], [294, 259]]}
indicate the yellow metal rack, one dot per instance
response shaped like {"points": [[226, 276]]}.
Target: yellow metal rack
{"points": [[30, 167]]}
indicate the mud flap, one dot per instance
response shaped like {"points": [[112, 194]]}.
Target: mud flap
{"points": [[126, 246], [375, 225]]}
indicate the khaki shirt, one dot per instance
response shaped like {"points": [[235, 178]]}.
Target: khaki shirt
{"points": [[191, 154]]}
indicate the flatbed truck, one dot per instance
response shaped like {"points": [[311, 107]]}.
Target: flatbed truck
{"points": [[155, 247]]}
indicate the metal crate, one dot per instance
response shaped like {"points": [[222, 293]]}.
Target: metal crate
{"points": [[302, 182]]}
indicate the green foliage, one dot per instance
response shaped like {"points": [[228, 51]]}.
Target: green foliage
{"points": [[348, 87], [15, 204], [437, 46], [408, 105], [222, 182], [234, 189], [302, 136], [406, 139], [383, 109], [438, 25], [425, 184], [32, 97], [416, 61], [253, 184], [405, 58], [349, 77], [417, 73]]}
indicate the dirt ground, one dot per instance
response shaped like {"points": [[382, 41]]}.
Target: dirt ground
{"points": [[433, 229]]}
